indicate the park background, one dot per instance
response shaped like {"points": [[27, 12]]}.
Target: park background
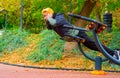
{"points": [[26, 41]]}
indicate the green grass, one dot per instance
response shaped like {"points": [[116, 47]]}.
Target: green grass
{"points": [[13, 39], [49, 47]]}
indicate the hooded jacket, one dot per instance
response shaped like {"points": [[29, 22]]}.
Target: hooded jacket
{"points": [[57, 24]]}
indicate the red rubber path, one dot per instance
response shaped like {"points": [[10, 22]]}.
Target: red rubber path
{"points": [[7, 71]]}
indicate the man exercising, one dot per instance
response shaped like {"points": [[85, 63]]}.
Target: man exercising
{"points": [[57, 21]]}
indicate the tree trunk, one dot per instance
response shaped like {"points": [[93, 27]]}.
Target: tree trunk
{"points": [[98, 11], [98, 16], [86, 10]]}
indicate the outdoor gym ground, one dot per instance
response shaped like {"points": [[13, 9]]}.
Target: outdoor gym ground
{"points": [[8, 71]]}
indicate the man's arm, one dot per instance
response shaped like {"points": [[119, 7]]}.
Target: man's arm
{"points": [[59, 20], [52, 21], [48, 25]]}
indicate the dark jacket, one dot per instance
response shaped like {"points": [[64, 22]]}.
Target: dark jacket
{"points": [[60, 22]]}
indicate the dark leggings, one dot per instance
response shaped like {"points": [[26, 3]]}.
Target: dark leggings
{"points": [[91, 43]]}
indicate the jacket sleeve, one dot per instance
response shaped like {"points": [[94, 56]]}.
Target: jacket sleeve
{"points": [[52, 21], [58, 20], [48, 25]]}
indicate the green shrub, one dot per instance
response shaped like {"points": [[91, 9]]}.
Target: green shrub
{"points": [[49, 47], [13, 39], [115, 42], [111, 39], [2, 21]]}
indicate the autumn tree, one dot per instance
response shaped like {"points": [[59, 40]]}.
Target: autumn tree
{"points": [[86, 10]]}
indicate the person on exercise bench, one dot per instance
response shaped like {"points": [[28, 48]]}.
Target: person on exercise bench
{"points": [[56, 22]]}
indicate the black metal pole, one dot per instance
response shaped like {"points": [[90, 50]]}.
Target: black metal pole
{"points": [[98, 63], [104, 52], [85, 18], [21, 14], [6, 13], [70, 10]]}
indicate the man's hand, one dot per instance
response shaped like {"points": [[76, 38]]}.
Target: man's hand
{"points": [[46, 16]]}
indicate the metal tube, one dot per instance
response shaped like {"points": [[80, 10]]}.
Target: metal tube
{"points": [[104, 52]]}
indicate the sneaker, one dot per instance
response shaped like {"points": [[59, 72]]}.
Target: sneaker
{"points": [[117, 54]]}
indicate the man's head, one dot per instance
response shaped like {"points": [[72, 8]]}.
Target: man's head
{"points": [[47, 12]]}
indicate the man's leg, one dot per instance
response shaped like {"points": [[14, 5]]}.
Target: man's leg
{"points": [[91, 43]]}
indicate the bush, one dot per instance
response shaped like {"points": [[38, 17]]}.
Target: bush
{"points": [[49, 47], [2, 21], [13, 39], [111, 39]]}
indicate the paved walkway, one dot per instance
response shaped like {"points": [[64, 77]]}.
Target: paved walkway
{"points": [[7, 71]]}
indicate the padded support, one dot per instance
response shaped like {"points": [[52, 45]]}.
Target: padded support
{"points": [[71, 38]]}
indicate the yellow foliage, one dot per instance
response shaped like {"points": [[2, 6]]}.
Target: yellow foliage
{"points": [[10, 5], [98, 72]]}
